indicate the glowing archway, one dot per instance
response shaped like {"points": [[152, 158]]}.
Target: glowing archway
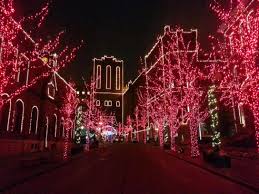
{"points": [[108, 132]]}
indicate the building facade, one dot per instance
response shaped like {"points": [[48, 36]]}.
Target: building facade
{"points": [[108, 73], [32, 121], [231, 120], [30, 117]]}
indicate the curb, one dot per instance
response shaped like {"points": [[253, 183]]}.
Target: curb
{"points": [[235, 180], [41, 172]]}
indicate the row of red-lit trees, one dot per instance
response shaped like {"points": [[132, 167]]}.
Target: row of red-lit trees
{"points": [[179, 97], [95, 117], [239, 72], [179, 81]]}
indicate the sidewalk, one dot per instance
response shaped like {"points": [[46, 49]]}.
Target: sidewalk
{"points": [[243, 171], [12, 172], [242, 153]]}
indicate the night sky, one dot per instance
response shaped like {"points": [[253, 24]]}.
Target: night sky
{"points": [[126, 29]]}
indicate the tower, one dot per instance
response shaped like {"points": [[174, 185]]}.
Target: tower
{"points": [[108, 73]]}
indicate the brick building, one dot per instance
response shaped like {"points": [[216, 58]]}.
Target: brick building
{"points": [[32, 121]]}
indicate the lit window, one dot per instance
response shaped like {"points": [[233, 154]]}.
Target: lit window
{"points": [[1, 46], [108, 77], [98, 77], [98, 102], [172, 84], [235, 71], [107, 103], [51, 90], [241, 114], [118, 103], [118, 78], [22, 64]]}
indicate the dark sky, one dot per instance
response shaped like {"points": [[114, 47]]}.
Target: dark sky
{"points": [[126, 29]]}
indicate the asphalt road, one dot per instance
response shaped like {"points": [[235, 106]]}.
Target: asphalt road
{"points": [[128, 169]]}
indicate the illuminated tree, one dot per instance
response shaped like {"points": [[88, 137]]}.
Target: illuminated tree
{"points": [[19, 52], [136, 121], [213, 108], [68, 111], [95, 117], [129, 127], [80, 124], [177, 96], [239, 71], [141, 114]]}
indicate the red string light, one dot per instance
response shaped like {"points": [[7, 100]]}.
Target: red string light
{"points": [[68, 111], [239, 84], [20, 53]]}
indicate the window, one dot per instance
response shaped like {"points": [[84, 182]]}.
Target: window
{"points": [[22, 65], [51, 90], [34, 120], [46, 132], [61, 128], [98, 103], [108, 77], [118, 103], [5, 113], [172, 85], [118, 78], [1, 48], [241, 114], [52, 129], [235, 71], [241, 32], [107, 103], [18, 116], [98, 77]]}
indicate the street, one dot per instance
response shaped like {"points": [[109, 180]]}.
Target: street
{"points": [[128, 169]]}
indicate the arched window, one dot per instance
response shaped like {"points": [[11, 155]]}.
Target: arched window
{"points": [[108, 77], [46, 132], [98, 77], [71, 134], [51, 90], [34, 120], [241, 113], [5, 113], [61, 128], [53, 126], [1, 47], [18, 116], [118, 78], [23, 64], [241, 25]]}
